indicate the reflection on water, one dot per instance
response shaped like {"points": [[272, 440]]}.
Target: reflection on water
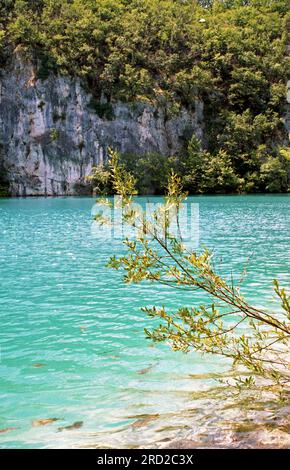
{"points": [[75, 368]]}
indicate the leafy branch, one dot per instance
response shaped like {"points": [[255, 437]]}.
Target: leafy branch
{"points": [[227, 325]]}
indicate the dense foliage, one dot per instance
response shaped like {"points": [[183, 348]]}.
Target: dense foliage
{"points": [[230, 54]]}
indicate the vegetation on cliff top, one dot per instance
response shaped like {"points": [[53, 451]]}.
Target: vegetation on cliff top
{"points": [[229, 54]]}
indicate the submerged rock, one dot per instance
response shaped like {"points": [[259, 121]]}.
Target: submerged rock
{"points": [[75, 425], [43, 422], [5, 430], [145, 371], [227, 422], [143, 421]]}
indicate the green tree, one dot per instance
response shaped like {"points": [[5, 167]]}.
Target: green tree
{"points": [[150, 171], [275, 171], [100, 178], [226, 324]]}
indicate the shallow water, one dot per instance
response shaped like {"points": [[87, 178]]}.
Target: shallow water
{"points": [[72, 341]]}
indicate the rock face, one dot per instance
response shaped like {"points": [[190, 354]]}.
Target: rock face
{"points": [[287, 115], [51, 135]]}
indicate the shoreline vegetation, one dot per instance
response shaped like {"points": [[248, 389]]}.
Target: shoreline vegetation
{"points": [[199, 172], [255, 340], [158, 254]]}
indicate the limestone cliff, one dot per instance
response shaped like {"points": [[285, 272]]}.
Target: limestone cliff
{"points": [[51, 134]]}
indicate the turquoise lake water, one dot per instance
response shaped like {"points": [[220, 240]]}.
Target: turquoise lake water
{"points": [[72, 341]]}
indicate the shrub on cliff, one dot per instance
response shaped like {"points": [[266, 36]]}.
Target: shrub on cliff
{"points": [[150, 170]]}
